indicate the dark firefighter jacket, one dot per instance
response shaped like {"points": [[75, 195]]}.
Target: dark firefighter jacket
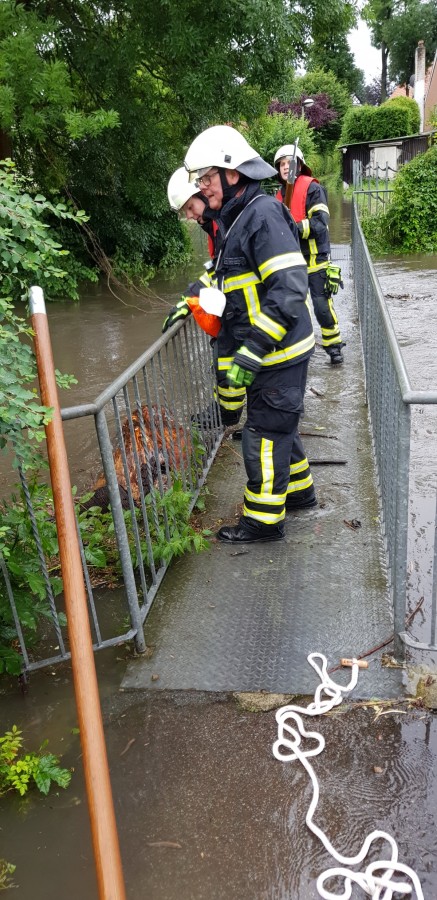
{"points": [[261, 270], [310, 210]]}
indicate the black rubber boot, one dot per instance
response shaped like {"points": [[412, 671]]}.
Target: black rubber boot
{"points": [[248, 531], [336, 355], [305, 499]]}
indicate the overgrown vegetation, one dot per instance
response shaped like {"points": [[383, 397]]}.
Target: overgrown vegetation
{"points": [[101, 102], [324, 118], [29, 254], [410, 223], [17, 546], [20, 771]]}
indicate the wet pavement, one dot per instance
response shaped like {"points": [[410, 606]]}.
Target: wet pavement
{"points": [[245, 618]]}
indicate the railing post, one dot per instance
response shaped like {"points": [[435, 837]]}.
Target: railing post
{"points": [[400, 550], [120, 529], [95, 762]]}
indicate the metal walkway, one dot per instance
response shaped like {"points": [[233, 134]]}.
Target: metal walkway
{"points": [[245, 618]]}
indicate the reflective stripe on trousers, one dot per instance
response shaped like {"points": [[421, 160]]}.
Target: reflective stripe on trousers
{"points": [[324, 309], [273, 452]]}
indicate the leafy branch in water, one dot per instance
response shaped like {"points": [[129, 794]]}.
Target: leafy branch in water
{"points": [[20, 771], [6, 870]]}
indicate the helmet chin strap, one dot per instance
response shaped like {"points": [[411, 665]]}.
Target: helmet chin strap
{"points": [[231, 190]]}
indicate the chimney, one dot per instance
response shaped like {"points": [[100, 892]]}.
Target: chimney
{"points": [[419, 80]]}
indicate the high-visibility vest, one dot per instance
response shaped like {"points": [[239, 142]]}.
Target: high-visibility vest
{"points": [[299, 198]]}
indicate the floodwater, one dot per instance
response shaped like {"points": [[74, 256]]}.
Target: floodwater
{"points": [[204, 810]]}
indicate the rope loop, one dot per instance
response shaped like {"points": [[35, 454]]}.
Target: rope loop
{"points": [[294, 742]]}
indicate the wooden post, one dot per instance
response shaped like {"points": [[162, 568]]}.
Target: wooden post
{"points": [[98, 786]]}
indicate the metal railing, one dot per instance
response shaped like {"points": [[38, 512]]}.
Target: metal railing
{"points": [[390, 398], [369, 177], [166, 430]]}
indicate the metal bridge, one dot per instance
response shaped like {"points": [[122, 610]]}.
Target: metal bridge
{"points": [[244, 619]]}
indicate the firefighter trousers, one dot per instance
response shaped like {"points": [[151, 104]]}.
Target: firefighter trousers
{"points": [[324, 310], [274, 457]]}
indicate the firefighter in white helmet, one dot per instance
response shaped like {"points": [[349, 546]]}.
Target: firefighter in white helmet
{"points": [[186, 199], [310, 211], [266, 338]]}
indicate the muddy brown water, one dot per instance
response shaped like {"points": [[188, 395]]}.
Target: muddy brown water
{"points": [[204, 811]]}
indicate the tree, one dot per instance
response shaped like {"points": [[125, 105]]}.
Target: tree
{"points": [[396, 27], [41, 108], [411, 22], [372, 93], [337, 58], [319, 83], [327, 44], [123, 96], [377, 13]]}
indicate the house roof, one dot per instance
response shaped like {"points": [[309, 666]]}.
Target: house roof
{"points": [[405, 137], [400, 89]]}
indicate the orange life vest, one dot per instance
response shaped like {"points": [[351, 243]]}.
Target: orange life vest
{"points": [[211, 239], [299, 198]]}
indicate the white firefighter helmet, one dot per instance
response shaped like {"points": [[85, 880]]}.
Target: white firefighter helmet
{"points": [[179, 189], [225, 148], [287, 151]]}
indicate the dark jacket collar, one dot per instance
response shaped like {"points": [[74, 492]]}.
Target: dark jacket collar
{"points": [[232, 208]]}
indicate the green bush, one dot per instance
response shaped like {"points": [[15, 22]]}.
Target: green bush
{"points": [[410, 223], [358, 124], [411, 108], [394, 118]]}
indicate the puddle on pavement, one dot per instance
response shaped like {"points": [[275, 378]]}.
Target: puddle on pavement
{"points": [[204, 810]]}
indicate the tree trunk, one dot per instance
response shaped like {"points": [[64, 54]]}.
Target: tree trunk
{"points": [[384, 57], [5, 145]]}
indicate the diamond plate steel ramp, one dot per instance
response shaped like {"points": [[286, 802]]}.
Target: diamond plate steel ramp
{"points": [[244, 618]]}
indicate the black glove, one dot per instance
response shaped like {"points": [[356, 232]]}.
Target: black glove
{"points": [[176, 314]]}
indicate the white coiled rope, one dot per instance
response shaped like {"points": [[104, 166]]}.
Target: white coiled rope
{"points": [[287, 748]]}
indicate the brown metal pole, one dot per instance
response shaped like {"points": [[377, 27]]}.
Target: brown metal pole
{"points": [[98, 786]]}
